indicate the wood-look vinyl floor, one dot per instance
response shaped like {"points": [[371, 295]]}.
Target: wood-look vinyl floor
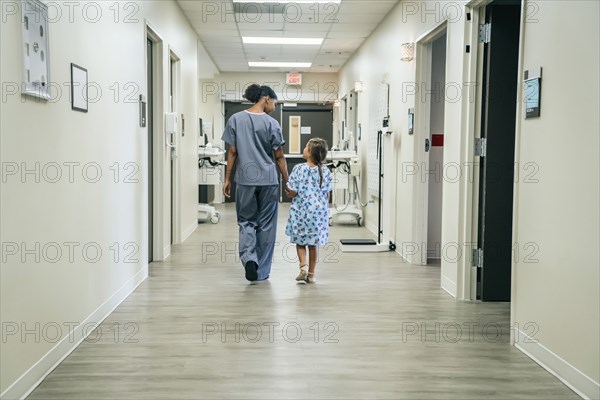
{"points": [[372, 327]]}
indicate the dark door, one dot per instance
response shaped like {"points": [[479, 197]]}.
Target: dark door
{"points": [[150, 130], [230, 109], [317, 117], [497, 166]]}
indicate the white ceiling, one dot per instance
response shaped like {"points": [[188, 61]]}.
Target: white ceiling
{"points": [[344, 26]]}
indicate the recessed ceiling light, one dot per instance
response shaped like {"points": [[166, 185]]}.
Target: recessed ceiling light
{"points": [[275, 40], [287, 1], [279, 64]]}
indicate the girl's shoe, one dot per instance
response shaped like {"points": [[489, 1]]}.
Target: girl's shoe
{"points": [[303, 275], [310, 277]]}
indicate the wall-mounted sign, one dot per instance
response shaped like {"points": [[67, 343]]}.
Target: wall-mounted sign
{"points": [[35, 48], [533, 92], [293, 79], [437, 140], [79, 88]]}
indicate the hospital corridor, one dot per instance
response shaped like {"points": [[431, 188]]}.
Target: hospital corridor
{"points": [[309, 199], [371, 327]]}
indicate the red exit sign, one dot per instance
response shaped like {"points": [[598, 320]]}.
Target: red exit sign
{"points": [[293, 79]]}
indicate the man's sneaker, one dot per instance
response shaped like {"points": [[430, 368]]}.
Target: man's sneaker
{"points": [[251, 268]]}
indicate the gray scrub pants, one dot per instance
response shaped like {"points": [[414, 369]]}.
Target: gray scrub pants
{"points": [[256, 208]]}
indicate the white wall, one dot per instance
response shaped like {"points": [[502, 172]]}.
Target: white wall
{"points": [[58, 288], [556, 217], [379, 58], [556, 277]]}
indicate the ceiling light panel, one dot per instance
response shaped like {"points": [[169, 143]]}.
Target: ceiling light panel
{"points": [[343, 25], [271, 64], [287, 1], [259, 21], [280, 40]]}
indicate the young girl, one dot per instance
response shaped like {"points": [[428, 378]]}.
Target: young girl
{"points": [[308, 224]]}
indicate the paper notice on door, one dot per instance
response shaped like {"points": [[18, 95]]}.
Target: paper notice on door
{"points": [[305, 130]]}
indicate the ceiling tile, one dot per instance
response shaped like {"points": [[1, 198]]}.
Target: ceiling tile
{"points": [[344, 26]]}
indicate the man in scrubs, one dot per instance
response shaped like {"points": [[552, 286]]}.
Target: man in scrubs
{"points": [[255, 144]]}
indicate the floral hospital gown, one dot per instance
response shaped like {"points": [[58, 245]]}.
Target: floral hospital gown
{"points": [[308, 223]]}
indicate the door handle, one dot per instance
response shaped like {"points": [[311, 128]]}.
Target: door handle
{"points": [[169, 140], [426, 145]]}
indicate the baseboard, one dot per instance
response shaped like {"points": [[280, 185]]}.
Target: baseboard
{"points": [[448, 286], [371, 227], [580, 383], [188, 232], [400, 252], [27, 382]]}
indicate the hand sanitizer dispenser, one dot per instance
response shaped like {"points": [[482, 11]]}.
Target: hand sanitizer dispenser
{"points": [[171, 123]]}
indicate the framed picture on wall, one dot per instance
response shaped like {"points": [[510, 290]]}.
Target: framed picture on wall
{"points": [[35, 49], [79, 87]]}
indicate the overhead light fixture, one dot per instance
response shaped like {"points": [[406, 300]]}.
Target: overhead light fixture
{"points": [[287, 1], [276, 40], [279, 64]]}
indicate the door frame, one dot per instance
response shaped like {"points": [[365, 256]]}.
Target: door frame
{"points": [[149, 136], [163, 221], [423, 60], [174, 63], [469, 188], [343, 119], [352, 121], [472, 115], [158, 249], [467, 273]]}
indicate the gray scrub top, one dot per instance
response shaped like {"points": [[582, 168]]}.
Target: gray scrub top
{"points": [[255, 137]]}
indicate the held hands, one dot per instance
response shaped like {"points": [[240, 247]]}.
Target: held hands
{"points": [[288, 192]]}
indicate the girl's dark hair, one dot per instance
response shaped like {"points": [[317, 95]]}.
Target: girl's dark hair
{"points": [[318, 153], [254, 92]]}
